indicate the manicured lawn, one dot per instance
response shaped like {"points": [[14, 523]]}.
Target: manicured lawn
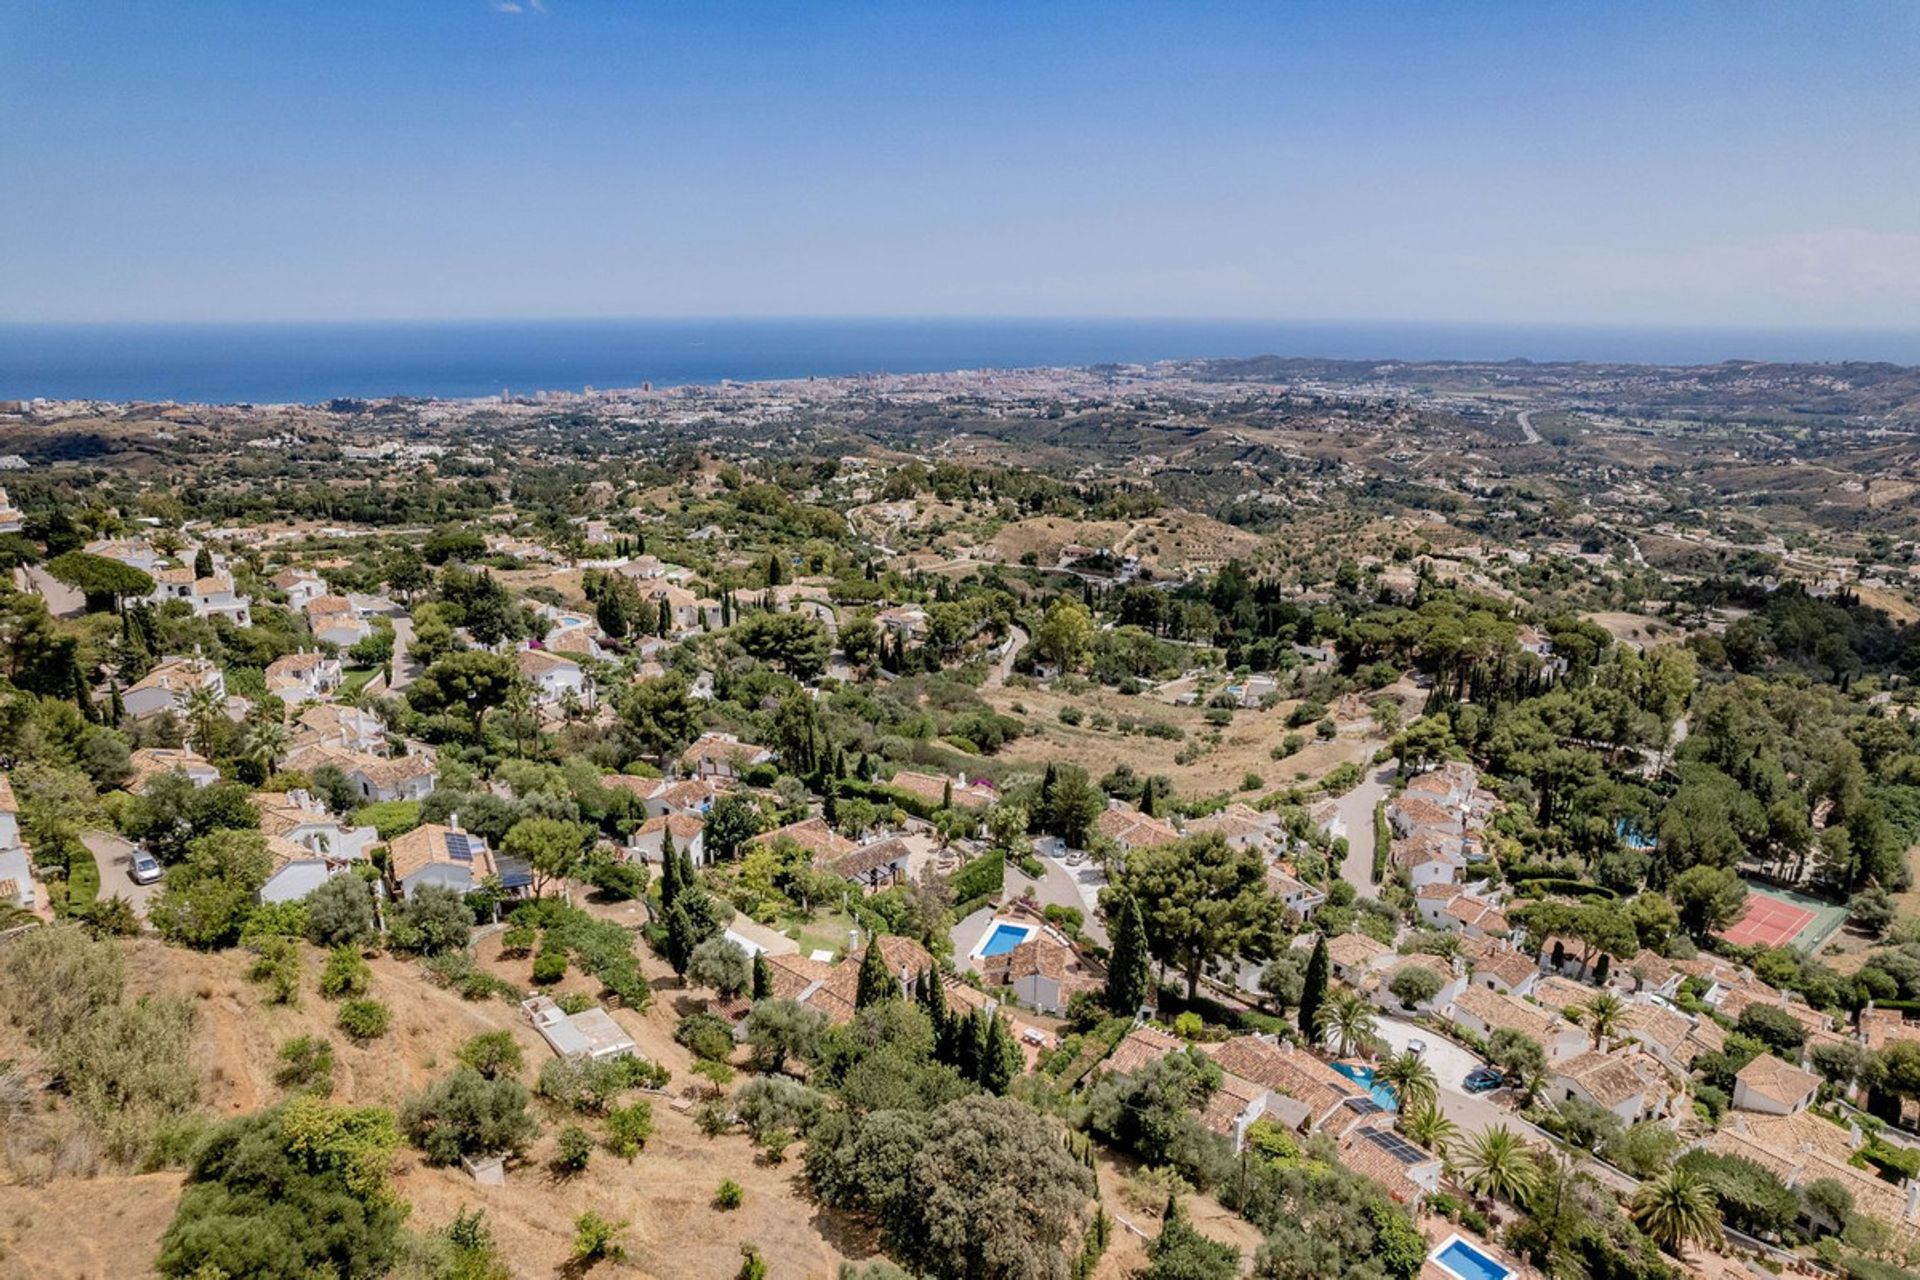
{"points": [[827, 931], [354, 677]]}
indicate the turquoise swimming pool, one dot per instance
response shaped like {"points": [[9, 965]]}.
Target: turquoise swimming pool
{"points": [[1363, 1076], [1005, 937], [1468, 1262]]}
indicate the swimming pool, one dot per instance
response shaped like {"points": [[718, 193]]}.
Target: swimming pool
{"points": [[1004, 937], [1363, 1076], [1460, 1258]]}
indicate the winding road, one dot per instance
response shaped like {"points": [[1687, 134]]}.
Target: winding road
{"points": [[1526, 427]]}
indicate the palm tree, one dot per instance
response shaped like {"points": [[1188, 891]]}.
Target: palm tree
{"points": [[1432, 1130], [1497, 1164], [1411, 1078], [1346, 1023], [1676, 1209], [204, 708], [263, 744], [1604, 1013]]}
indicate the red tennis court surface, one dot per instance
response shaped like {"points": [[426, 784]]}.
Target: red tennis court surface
{"points": [[1767, 922]]}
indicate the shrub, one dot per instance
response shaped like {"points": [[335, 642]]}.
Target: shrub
{"points": [[549, 967], [306, 1065], [278, 966], [467, 1114], [340, 913], [575, 1149], [518, 940], [597, 1239], [590, 1087], [365, 1020], [346, 974], [705, 1036], [434, 920], [730, 1195], [628, 1128], [494, 1054]]}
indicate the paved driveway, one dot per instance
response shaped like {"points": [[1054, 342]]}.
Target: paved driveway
{"points": [[1450, 1063], [1354, 820], [115, 856]]}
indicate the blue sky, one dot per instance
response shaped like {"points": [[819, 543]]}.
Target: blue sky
{"points": [[1742, 164]]}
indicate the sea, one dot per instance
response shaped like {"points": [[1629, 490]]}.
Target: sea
{"points": [[309, 363]]}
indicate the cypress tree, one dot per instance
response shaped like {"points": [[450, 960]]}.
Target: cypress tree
{"points": [[1313, 991], [762, 976], [937, 1002], [666, 617], [972, 1046], [830, 804], [1000, 1060], [669, 875], [1129, 972], [946, 794], [680, 939], [876, 984]]}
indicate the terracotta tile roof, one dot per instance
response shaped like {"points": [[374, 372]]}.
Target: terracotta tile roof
{"points": [[1497, 1010], [1142, 1045], [1665, 1029], [1511, 967], [427, 844], [149, 763], [684, 827], [1557, 992], [1882, 1027], [933, 789], [1355, 950], [792, 975], [834, 996], [1438, 891], [1286, 1071], [1134, 829], [538, 662], [1653, 970], [1779, 1081], [870, 857], [1042, 957], [1609, 1079], [1372, 1161], [812, 834], [713, 746], [1229, 1102]]}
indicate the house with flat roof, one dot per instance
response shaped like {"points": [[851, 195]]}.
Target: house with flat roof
{"points": [[588, 1036]]}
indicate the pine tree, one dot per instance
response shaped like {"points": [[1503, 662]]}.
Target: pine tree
{"points": [[1313, 991], [1000, 1060], [876, 984], [762, 976], [1129, 971]]}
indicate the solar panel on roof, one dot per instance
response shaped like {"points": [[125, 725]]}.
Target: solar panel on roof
{"points": [[1364, 1106], [458, 847], [1396, 1146]]}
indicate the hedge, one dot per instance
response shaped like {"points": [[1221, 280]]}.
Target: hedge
{"points": [[1382, 840], [981, 877], [881, 793], [1571, 888], [83, 881]]}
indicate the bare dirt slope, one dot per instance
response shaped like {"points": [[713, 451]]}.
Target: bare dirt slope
{"points": [[110, 1227]]}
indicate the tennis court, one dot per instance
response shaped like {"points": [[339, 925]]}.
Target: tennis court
{"points": [[1777, 918]]}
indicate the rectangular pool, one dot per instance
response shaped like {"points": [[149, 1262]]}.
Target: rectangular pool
{"points": [[1469, 1263], [1004, 938]]}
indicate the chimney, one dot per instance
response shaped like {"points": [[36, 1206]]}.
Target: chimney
{"points": [[453, 821]]}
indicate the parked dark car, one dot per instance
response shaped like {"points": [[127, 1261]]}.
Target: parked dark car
{"points": [[1483, 1079]]}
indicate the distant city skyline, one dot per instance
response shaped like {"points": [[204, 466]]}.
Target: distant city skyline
{"points": [[1750, 165]]}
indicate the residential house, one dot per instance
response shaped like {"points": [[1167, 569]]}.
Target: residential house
{"points": [[298, 817], [135, 553], [1131, 829], [1044, 973], [933, 790], [444, 855], [1242, 827], [815, 835], [149, 763], [1406, 1172], [1477, 917], [300, 586], [1484, 1012], [306, 676], [689, 837], [1451, 980], [214, 596], [344, 728], [167, 686], [588, 1036], [335, 621], [723, 756], [16, 878], [1773, 1087], [1352, 955], [554, 678], [1304, 1093], [1432, 899], [1504, 969], [1299, 897], [873, 865], [1614, 1082]]}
